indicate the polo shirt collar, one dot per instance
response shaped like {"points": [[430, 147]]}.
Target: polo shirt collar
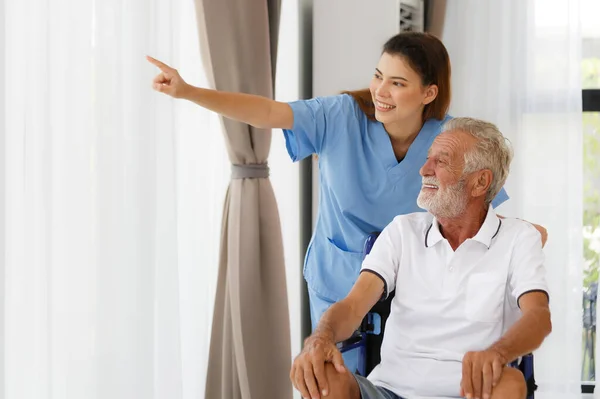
{"points": [[489, 229], [433, 234]]}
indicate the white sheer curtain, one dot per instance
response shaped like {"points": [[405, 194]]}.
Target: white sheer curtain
{"points": [[111, 201], [517, 64]]}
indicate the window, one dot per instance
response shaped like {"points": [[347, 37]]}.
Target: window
{"points": [[590, 74]]}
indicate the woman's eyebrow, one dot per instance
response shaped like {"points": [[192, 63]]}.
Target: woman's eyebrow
{"points": [[393, 77]]}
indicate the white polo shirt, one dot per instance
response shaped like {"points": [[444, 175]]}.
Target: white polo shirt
{"points": [[448, 303]]}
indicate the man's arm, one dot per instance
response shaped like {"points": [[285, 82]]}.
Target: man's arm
{"points": [[343, 318], [338, 323], [482, 370], [378, 276], [527, 334]]}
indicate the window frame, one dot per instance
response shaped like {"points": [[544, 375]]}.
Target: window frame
{"points": [[590, 103], [590, 100]]}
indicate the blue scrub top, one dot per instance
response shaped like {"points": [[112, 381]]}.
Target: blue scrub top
{"points": [[362, 185]]}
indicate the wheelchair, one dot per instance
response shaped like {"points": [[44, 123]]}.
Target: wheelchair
{"points": [[369, 337]]}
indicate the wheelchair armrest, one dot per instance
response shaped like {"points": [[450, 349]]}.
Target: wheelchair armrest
{"points": [[525, 364], [357, 340], [526, 367]]}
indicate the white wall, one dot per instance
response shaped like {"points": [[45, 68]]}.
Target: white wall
{"points": [[347, 39]]}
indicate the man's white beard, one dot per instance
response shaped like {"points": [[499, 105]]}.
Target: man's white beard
{"points": [[450, 202]]}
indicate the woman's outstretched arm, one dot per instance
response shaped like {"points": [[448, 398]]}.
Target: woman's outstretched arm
{"points": [[254, 110]]}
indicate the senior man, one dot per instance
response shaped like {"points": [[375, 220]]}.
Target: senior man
{"points": [[470, 288]]}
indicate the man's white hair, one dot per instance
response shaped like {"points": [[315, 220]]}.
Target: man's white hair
{"points": [[492, 151]]}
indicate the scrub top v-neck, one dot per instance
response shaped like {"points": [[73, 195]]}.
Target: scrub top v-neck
{"points": [[362, 185]]}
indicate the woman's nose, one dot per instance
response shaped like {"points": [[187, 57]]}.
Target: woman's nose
{"points": [[383, 90]]}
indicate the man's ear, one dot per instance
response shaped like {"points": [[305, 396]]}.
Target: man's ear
{"points": [[430, 94], [482, 182]]}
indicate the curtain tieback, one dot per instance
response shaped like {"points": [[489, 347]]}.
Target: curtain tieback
{"points": [[250, 171]]}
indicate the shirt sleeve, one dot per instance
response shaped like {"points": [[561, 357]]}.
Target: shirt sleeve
{"points": [[384, 258], [528, 272], [500, 198], [313, 119]]}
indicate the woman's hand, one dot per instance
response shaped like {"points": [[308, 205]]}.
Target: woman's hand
{"points": [[308, 370], [168, 81], [541, 229]]}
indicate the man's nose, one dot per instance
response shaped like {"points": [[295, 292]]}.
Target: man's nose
{"points": [[427, 168]]}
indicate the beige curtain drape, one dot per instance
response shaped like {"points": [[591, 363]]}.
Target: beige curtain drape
{"points": [[250, 353]]}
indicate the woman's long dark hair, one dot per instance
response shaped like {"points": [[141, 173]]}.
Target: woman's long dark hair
{"points": [[428, 56]]}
